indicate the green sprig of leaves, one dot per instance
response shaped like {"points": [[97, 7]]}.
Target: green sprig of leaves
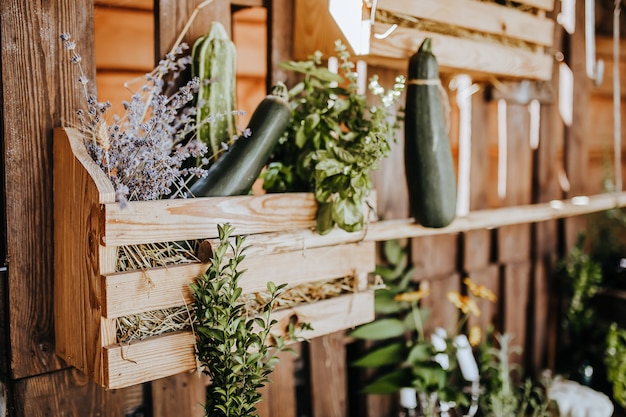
{"points": [[234, 350], [334, 140]]}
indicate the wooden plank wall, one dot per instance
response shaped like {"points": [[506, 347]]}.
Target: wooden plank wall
{"points": [[515, 261]]}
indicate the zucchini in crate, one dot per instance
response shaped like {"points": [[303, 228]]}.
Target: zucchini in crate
{"points": [[214, 62], [236, 170], [429, 166]]}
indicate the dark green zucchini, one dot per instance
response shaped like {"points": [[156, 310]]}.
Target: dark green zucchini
{"points": [[236, 170], [429, 166]]}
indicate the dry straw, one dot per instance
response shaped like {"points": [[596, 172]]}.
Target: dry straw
{"points": [[153, 323]]}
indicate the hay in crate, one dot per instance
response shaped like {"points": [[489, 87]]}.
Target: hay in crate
{"points": [[158, 322]]}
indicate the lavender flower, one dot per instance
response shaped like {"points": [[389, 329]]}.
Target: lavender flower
{"points": [[144, 151]]}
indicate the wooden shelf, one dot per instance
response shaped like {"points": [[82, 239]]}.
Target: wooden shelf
{"points": [[407, 228]]}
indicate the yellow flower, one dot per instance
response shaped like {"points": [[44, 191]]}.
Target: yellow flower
{"points": [[413, 295], [475, 335], [480, 291], [464, 303]]}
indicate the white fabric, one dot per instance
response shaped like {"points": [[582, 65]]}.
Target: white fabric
{"points": [[576, 400]]}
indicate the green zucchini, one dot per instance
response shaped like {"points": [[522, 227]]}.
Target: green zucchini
{"points": [[429, 166], [236, 170], [214, 62]]}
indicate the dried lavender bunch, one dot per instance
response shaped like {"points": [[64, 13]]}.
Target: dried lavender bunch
{"points": [[144, 151]]}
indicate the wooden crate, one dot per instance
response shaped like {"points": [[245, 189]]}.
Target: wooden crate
{"points": [[480, 38], [89, 295]]}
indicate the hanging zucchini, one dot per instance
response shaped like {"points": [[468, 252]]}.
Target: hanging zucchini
{"points": [[236, 170], [214, 62], [429, 166]]}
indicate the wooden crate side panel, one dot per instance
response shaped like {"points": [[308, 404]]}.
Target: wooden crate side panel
{"points": [[78, 257], [460, 55], [484, 17], [135, 292]]}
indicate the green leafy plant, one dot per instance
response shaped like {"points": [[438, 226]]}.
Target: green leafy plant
{"points": [[236, 352], [585, 278], [501, 394], [334, 140], [403, 353], [615, 361]]}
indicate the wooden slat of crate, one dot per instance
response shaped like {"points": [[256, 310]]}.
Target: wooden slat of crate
{"points": [[164, 355], [131, 293], [460, 55], [483, 17], [197, 218]]}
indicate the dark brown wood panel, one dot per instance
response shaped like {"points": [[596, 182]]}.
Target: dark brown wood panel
{"points": [[328, 376], [279, 396], [490, 313], [576, 136], [172, 16], [442, 312], [515, 294], [69, 393], [476, 250], [435, 256], [280, 17], [39, 92], [181, 395]]}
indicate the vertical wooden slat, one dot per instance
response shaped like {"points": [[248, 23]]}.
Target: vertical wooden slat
{"points": [[481, 179], [390, 179], [576, 136], [515, 292], [548, 157], [280, 15], [434, 256], [172, 15], [328, 376], [489, 311], [179, 395], [279, 396], [476, 250], [45, 96], [442, 312]]}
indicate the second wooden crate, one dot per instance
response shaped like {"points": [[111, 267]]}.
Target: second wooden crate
{"points": [[482, 38]]}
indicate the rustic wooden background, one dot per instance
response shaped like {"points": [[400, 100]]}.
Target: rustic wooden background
{"points": [[119, 39]]}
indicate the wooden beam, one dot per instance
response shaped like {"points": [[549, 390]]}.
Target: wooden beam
{"points": [[46, 95]]}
